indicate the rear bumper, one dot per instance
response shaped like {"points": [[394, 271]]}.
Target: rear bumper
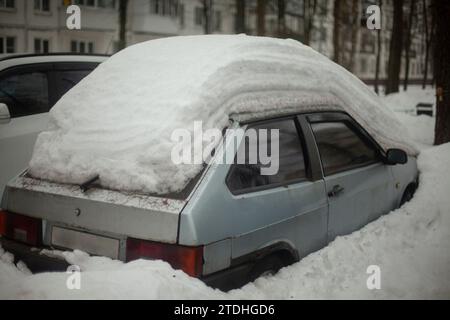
{"points": [[33, 258]]}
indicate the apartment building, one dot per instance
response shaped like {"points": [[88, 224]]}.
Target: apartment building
{"points": [[39, 26], [28, 26]]}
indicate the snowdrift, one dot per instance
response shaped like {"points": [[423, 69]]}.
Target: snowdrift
{"points": [[118, 121]]}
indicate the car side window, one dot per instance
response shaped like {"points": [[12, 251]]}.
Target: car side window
{"points": [[341, 148], [25, 93], [67, 79], [291, 162]]}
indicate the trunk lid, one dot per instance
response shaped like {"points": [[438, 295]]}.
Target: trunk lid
{"points": [[98, 211]]}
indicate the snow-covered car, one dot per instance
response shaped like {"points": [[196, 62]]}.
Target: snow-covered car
{"points": [[29, 86], [103, 178]]}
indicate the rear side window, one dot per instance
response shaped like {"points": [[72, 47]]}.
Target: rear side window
{"points": [[291, 163], [341, 148], [25, 94], [67, 79]]}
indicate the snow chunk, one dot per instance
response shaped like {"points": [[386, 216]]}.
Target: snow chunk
{"points": [[118, 121]]}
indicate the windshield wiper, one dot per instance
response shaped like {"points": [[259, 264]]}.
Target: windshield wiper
{"points": [[88, 184]]}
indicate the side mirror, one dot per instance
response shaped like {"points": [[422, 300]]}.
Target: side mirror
{"points": [[396, 156], [5, 116]]}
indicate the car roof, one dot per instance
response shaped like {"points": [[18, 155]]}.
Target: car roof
{"points": [[11, 60]]}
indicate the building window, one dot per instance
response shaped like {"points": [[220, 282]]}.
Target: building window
{"points": [[217, 21], [363, 66], [198, 16], [41, 45], [42, 5], [164, 7], [7, 45], [81, 46], [109, 4], [106, 4], [7, 4]]}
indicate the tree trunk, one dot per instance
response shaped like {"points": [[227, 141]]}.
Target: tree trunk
{"points": [[427, 44], [240, 16], [281, 18], [408, 42], [377, 65], [123, 6], [395, 52], [337, 31], [207, 9], [429, 36], [355, 28], [441, 13], [261, 16], [309, 9]]}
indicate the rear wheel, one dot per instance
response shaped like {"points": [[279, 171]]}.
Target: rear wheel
{"points": [[266, 267]]}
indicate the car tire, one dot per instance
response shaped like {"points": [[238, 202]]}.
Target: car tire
{"points": [[266, 266], [408, 194]]}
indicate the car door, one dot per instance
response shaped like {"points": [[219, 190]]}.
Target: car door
{"points": [[290, 204], [26, 92], [359, 185]]}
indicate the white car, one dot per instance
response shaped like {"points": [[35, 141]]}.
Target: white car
{"points": [[29, 86]]}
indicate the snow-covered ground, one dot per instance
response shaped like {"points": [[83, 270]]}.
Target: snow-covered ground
{"points": [[406, 101], [411, 246]]}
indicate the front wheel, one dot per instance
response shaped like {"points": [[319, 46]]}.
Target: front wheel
{"points": [[408, 194]]}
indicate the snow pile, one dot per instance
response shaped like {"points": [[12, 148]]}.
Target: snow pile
{"points": [[118, 121], [406, 101], [411, 246], [420, 128], [102, 278]]}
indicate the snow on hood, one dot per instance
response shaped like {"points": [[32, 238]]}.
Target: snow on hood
{"points": [[118, 121]]}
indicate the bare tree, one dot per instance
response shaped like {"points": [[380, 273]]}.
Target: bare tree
{"points": [[123, 6], [309, 10], [429, 34], [281, 10], [261, 17], [337, 31], [395, 52], [207, 12], [408, 42], [355, 18], [377, 64], [441, 13], [240, 16]]}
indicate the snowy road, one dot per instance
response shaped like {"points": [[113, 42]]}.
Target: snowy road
{"points": [[411, 246]]}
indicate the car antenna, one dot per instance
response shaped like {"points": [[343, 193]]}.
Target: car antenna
{"points": [[88, 184]]}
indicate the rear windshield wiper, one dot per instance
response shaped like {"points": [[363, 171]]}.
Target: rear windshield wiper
{"points": [[88, 184]]}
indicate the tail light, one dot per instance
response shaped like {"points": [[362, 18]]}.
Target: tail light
{"points": [[21, 228], [188, 259]]}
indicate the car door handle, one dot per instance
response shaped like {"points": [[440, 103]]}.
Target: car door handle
{"points": [[337, 189]]}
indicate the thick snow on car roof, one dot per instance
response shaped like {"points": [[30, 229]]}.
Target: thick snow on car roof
{"points": [[118, 121]]}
